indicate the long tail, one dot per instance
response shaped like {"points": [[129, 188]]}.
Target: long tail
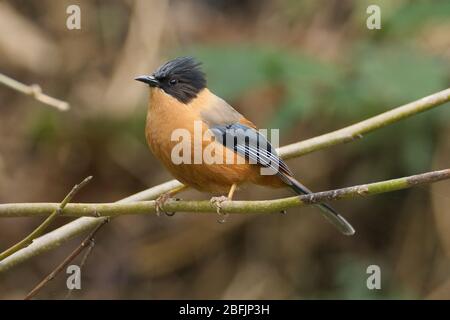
{"points": [[329, 213]]}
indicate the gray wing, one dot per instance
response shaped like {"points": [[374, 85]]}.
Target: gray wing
{"points": [[253, 146]]}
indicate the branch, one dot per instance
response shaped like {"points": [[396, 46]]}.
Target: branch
{"points": [[70, 230], [237, 207], [42, 227], [35, 91], [63, 234]]}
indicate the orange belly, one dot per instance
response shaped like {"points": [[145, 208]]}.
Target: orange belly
{"points": [[210, 177]]}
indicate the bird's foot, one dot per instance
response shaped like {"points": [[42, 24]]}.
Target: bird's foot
{"points": [[217, 202], [161, 201]]}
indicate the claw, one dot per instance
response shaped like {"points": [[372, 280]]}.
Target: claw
{"points": [[160, 201], [217, 202]]}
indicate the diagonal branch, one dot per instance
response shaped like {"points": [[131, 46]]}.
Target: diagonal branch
{"points": [[359, 129], [63, 234], [44, 225]]}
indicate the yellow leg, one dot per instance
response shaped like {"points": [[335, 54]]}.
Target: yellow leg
{"points": [[231, 192]]}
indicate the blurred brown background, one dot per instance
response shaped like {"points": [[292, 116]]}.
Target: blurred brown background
{"points": [[306, 67]]}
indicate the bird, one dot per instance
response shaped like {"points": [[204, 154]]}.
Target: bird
{"points": [[180, 101]]}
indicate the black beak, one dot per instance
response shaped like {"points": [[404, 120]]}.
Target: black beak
{"points": [[150, 80]]}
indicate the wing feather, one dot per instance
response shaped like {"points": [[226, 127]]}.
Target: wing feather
{"points": [[251, 145]]}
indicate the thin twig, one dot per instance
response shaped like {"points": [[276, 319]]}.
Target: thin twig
{"points": [[44, 225], [83, 260], [35, 91], [237, 207], [85, 243], [63, 234]]}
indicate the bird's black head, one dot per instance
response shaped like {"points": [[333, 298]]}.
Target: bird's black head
{"points": [[181, 78]]}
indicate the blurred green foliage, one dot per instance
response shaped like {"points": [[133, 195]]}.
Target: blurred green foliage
{"points": [[374, 78], [410, 17], [233, 70]]}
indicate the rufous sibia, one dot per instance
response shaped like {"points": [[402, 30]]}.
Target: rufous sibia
{"points": [[180, 99]]}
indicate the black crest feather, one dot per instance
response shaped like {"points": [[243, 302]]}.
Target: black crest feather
{"points": [[182, 78]]}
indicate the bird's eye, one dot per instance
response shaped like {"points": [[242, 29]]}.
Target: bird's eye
{"points": [[173, 82]]}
